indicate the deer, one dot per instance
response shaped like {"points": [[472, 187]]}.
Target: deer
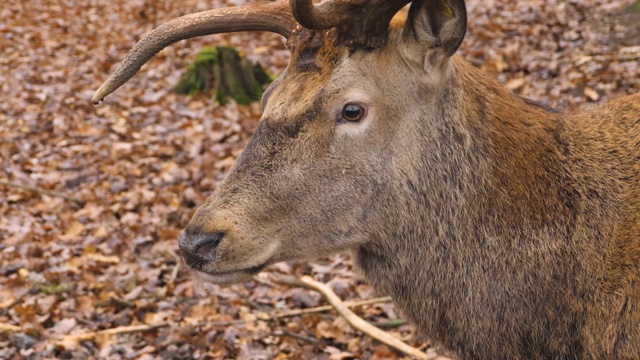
{"points": [[503, 229]]}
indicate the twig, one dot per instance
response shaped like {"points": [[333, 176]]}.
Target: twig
{"points": [[298, 312], [631, 54], [317, 309], [73, 339], [297, 336], [225, 323], [353, 319], [350, 304], [114, 301], [607, 58], [42, 191], [176, 268], [390, 324], [126, 330], [263, 280], [9, 328]]}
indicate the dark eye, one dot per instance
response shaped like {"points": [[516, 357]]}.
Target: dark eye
{"points": [[353, 112]]}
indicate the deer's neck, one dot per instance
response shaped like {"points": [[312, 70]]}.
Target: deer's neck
{"points": [[489, 160], [492, 214]]}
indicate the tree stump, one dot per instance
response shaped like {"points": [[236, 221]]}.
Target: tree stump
{"points": [[224, 72]]}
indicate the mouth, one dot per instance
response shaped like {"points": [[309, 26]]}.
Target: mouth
{"points": [[229, 277]]}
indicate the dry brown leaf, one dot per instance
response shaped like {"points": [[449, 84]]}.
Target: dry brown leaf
{"points": [[515, 84], [591, 94], [74, 230], [103, 259]]}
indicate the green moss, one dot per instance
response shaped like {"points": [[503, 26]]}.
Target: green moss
{"points": [[53, 289], [197, 77], [262, 75], [224, 71], [188, 82], [207, 55]]}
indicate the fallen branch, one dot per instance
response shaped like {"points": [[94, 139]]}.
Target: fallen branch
{"points": [[9, 328], [72, 340], [298, 312], [317, 309], [353, 319], [350, 304], [42, 191], [223, 323], [390, 324]]}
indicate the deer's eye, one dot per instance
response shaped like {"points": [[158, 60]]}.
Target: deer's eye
{"points": [[353, 112]]}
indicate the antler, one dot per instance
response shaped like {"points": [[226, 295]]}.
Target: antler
{"points": [[273, 17], [326, 15], [359, 22]]}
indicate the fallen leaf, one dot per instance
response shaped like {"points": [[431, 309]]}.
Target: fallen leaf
{"points": [[591, 94], [515, 84]]}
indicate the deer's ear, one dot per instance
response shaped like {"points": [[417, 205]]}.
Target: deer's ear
{"points": [[440, 24]]}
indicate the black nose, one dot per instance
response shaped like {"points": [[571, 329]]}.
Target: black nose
{"points": [[199, 249]]}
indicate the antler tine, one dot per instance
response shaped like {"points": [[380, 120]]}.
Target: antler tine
{"points": [[273, 17], [375, 24], [360, 22], [326, 15]]}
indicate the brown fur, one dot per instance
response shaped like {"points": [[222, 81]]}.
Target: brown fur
{"points": [[501, 229]]}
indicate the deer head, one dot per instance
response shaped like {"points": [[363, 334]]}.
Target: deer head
{"points": [[340, 127]]}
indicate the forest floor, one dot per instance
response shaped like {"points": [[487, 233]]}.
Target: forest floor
{"points": [[92, 198]]}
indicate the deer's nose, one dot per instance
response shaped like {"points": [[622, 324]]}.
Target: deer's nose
{"points": [[200, 248]]}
